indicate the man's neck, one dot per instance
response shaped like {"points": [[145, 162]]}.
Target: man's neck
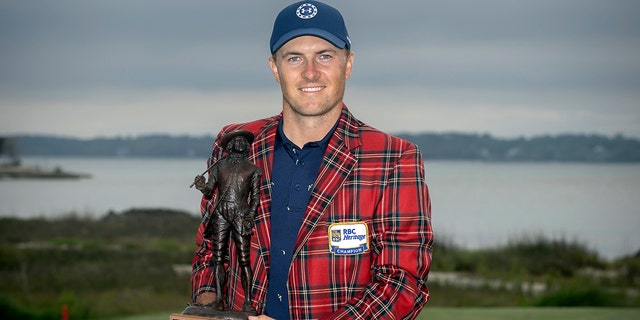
{"points": [[301, 130]]}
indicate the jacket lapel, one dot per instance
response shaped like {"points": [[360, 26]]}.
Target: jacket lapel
{"points": [[336, 166]]}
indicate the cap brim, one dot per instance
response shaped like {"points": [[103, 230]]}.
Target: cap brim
{"points": [[308, 32]]}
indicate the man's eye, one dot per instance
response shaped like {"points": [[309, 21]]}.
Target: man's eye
{"points": [[325, 57], [294, 59]]}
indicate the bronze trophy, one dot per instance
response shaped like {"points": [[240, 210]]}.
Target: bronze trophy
{"points": [[237, 182]]}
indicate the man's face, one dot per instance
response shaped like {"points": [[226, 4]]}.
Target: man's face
{"points": [[312, 74]]}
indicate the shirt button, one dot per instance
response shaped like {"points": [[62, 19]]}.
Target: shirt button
{"points": [[283, 252]]}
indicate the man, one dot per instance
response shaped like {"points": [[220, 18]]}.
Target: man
{"points": [[238, 183], [343, 228]]}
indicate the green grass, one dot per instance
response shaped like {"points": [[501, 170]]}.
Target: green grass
{"points": [[490, 313], [121, 266], [529, 313], [150, 316]]}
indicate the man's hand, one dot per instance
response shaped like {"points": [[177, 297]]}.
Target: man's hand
{"points": [[260, 317], [206, 298]]}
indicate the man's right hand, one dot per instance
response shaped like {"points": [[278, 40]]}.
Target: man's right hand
{"points": [[206, 298], [260, 317]]}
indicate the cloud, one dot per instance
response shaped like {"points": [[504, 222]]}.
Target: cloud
{"points": [[109, 113], [540, 66]]}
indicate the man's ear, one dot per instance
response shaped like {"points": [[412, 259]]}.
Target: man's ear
{"points": [[274, 69], [349, 65]]}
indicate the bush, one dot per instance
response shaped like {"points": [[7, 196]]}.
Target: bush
{"points": [[11, 310], [580, 297]]}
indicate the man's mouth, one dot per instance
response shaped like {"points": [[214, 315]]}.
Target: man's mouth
{"points": [[311, 89]]}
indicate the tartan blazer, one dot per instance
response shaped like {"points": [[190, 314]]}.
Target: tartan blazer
{"points": [[366, 176]]}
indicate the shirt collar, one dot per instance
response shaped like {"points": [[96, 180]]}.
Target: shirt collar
{"points": [[281, 138]]}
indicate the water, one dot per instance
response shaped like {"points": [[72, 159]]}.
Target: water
{"points": [[475, 204], [484, 204], [116, 184]]}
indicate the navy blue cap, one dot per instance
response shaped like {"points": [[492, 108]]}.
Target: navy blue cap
{"points": [[311, 18]]}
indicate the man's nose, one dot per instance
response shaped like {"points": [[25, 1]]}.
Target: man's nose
{"points": [[311, 70]]}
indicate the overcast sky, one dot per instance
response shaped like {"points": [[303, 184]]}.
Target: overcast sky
{"points": [[505, 67]]}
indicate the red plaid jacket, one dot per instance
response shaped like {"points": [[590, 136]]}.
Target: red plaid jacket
{"points": [[366, 176]]}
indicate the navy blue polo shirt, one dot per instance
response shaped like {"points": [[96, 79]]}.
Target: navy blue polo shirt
{"points": [[293, 177]]}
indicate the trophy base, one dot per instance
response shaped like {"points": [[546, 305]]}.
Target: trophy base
{"points": [[201, 313]]}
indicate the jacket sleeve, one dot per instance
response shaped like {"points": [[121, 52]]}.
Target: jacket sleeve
{"points": [[402, 242]]}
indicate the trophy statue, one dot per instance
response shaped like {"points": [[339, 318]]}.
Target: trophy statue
{"points": [[237, 182]]}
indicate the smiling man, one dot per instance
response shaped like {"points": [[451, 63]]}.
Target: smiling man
{"points": [[343, 228]]}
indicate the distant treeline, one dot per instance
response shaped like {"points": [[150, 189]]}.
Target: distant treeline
{"points": [[435, 146], [561, 148]]}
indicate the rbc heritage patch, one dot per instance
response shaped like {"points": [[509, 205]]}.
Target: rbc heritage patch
{"points": [[348, 238]]}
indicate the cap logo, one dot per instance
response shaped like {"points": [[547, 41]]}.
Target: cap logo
{"points": [[306, 11]]}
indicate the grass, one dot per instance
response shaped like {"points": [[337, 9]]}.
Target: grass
{"points": [[122, 267], [489, 313], [528, 314]]}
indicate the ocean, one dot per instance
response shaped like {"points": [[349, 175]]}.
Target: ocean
{"points": [[475, 204]]}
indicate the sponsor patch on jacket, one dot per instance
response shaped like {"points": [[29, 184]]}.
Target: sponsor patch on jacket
{"points": [[348, 238]]}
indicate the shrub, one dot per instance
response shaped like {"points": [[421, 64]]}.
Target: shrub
{"points": [[580, 297]]}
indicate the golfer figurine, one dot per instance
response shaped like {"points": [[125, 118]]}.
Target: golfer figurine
{"points": [[237, 182]]}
